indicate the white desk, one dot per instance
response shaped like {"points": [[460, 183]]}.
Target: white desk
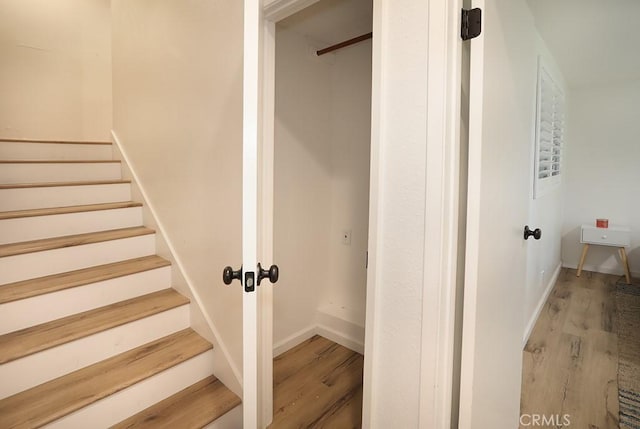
{"points": [[614, 236]]}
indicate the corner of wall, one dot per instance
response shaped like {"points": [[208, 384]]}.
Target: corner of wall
{"points": [[343, 332], [201, 322]]}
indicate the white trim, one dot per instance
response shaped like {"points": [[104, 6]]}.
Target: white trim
{"points": [[265, 212], [251, 113], [277, 10], [179, 265], [441, 214], [540, 306], [341, 331], [376, 177], [323, 330], [293, 340], [340, 338]]}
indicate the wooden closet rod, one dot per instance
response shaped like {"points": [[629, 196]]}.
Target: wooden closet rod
{"points": [[344, 44]]}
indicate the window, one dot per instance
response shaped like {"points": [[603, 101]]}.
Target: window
{"points": [[550, 124]]}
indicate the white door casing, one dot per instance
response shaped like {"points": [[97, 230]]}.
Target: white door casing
{"points": [[250, 124]]}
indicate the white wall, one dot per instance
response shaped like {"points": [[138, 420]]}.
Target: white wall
{"points": [[302, 183], [55, 77], [345, 292], [177, 84], [322, 140], [545, 212], [603, 171]]}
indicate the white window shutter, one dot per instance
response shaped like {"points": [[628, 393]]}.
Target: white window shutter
{"points": [[550, 127]]}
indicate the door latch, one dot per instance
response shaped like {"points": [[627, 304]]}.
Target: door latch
{"points": [[229, 275]]}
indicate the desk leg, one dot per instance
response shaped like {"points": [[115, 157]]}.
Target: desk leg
{"points": [[625, 264], [585, 249]]}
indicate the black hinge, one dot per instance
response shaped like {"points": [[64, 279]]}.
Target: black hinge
{"points": [[471, 23]]}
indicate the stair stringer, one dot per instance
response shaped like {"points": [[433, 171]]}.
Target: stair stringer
{"points": [[223, 366]]}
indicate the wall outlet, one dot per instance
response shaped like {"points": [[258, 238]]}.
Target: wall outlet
{"points": [[346, 237]]}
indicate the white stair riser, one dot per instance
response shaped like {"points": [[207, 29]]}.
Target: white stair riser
{"points": [[38, 264], [134, 399], [230, 420], [59, 172], [54, 151], [32, 370], [38, 227], [63, 196], [27, 312]]}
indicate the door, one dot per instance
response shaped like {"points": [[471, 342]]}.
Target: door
{"points": [[500, 118], [256, 357]]}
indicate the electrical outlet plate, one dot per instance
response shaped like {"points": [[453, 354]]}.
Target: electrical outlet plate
{"points": [[346, 237]]}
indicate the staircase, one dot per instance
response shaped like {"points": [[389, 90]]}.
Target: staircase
{"points": [[91, 333]]}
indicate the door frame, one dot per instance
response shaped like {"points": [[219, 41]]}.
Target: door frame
{"points": [[442, 214], [441, 220]]}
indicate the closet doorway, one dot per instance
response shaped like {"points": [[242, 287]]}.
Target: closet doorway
{"points": [[321, 157]]}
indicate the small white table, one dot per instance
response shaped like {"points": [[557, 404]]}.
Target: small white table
{"points": [[614, 236]]}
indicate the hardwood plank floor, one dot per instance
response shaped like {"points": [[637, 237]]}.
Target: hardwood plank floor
{"points": [[317, 384], [570, 362]]}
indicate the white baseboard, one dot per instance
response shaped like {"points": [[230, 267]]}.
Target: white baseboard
{"points": [[330, 331], [293, 340], [615, 270], [340, 338], [540, 306], [341, 331]]}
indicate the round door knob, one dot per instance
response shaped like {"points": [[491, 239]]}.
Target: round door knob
{"points": [[273, 273], [536, 233], [228, 275]]}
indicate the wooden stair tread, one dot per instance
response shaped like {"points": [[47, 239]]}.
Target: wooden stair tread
{"points": [[68, 209], [56, 398], [55, 282], [71, 240], [56, 184], [54, 141], [192, 408], [58, 161], [24, 342]]}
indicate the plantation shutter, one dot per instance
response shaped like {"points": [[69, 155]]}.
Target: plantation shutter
{"points": [[549, 132]]}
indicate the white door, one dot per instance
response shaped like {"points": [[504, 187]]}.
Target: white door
{"points": [[500, 117], [256, 363]]}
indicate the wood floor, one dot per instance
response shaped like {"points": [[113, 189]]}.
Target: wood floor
{"points": [[318, 384], [570, 361]]}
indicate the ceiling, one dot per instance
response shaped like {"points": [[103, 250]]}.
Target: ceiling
{"points": [[593, 41], [332, 21]]}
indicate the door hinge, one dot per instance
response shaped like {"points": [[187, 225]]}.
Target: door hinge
{"points": [[471, 25]]}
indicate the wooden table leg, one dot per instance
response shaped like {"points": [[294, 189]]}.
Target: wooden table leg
{"points": [[585, 249], [625, 264]]}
